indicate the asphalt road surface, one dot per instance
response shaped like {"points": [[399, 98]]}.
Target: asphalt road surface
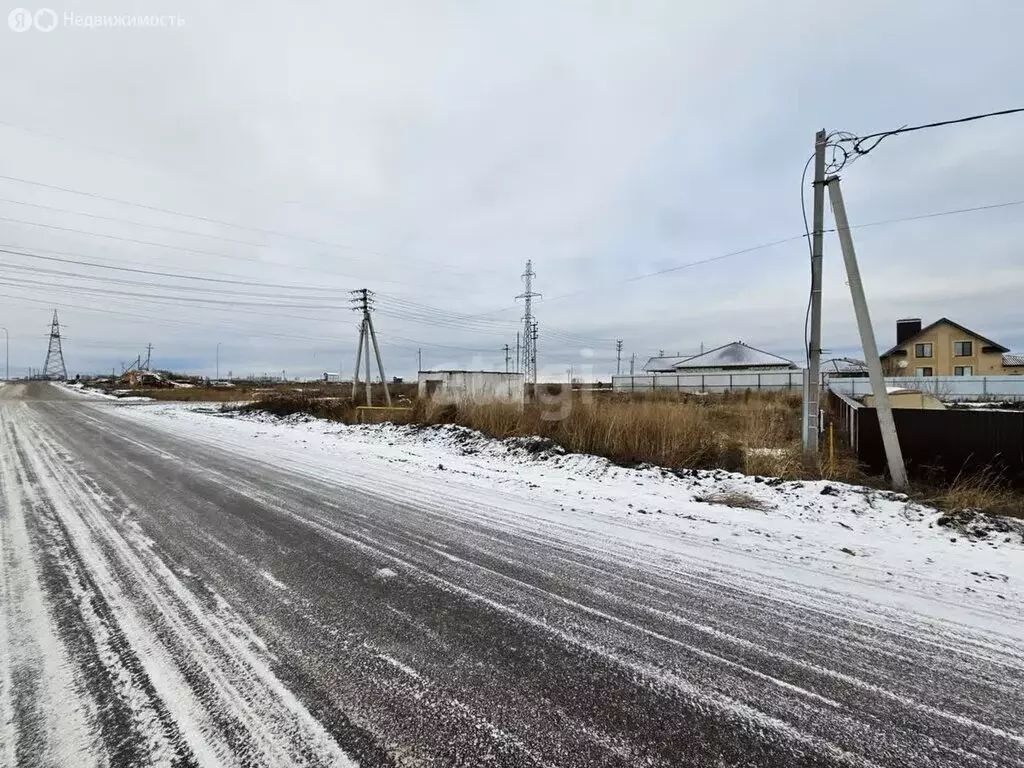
{"points": [[167, 602]]}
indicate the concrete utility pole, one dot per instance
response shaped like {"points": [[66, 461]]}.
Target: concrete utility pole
{"points": [[812, 406], [886, 423], [534, 333], [506, 348], [618, 357], [218, 361], [419, 359], [517, 352], [363, 302], [149, 357], [632, 364]]}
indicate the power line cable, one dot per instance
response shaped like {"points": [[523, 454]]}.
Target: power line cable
{"points": [[220, 222], [166, 286], [250, 331], [411, 310], [171, 172], [198, 251], [935, 215], [207, 303], [133, 223], [178, 276], [858, 141], [810, 252]]}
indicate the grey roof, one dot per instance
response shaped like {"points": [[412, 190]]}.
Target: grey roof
{"points": [[844, 365], [664, 363], [735, 355], [1013, 359]]}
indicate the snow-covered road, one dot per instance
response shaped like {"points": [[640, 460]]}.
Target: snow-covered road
{"points": [[180, 588]]}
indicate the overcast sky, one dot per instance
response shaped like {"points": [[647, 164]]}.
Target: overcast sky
{"points": [[427, 149]]}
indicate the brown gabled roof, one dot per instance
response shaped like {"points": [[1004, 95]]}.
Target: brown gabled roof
{"points": [[989, 342]]}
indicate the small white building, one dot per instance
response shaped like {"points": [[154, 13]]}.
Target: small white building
{"points": [[472, 387]]}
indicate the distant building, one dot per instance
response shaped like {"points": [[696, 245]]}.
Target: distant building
{"points": [[472, 387], [137, 378], [1013, 365], [945, 348], [728, 358], [909, 398], [846, 367]]}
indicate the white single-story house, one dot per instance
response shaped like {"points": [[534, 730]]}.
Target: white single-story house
{"points": [[472, 387], [728, 358]]}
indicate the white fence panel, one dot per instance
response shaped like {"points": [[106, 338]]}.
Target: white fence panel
{"points": [[710, 382], [943, 387]]}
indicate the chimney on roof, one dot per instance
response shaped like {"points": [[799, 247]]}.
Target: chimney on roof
{"points": [[907, 328]]}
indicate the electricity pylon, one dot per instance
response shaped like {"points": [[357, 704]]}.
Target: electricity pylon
{"points": [[54, 367], [529, 354]]}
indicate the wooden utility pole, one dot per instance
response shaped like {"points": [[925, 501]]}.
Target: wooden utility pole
{"points": [[886, 422], [812, 406]]}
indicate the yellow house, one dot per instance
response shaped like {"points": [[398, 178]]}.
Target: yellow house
{"points": [[945, 348], [909, 398]]}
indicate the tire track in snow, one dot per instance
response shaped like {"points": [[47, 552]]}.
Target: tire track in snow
{"points": [[134, 725], [514, 605], [42, 721], [169, 661], [874, 692], [783, 710]]}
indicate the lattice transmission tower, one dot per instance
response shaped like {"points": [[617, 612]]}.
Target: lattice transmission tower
{"points": [[529, 350], [54, 367]]}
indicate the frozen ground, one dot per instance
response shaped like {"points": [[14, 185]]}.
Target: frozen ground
{"points": [[870, 542], [77, 388], [188, 588]]}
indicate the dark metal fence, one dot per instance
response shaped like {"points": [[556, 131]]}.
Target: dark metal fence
{"points": [[937, 444]]}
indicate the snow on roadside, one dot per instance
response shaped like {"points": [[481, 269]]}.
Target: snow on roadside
{"points": [[863, 542], [80, 389]]}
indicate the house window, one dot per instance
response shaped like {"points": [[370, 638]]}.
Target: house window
{"points": [[963, 348], [922, 350], [963, 370], [925, 371]]}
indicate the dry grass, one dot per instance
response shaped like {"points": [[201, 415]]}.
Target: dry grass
{"points": [[301, 391], [735, 499], [678, 432], [198, 394], [757, 434], [986, 491], [308, 401]]}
